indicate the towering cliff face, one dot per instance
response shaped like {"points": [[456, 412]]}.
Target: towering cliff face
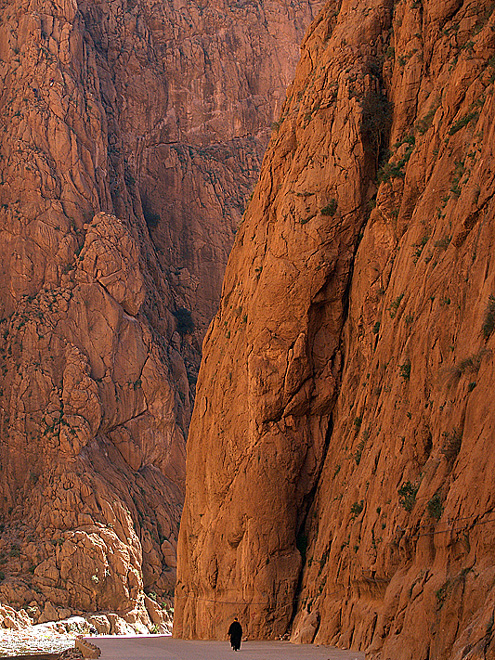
{"points": [[132, 131], [340, 472]]}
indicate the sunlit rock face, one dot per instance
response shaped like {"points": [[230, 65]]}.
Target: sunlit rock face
{"points": [[340, 473], [132, 134]]}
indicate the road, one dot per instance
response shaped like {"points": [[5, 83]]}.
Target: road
{"points": [[163, 647]]}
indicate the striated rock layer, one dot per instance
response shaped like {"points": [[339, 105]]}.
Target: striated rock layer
{"points": [[340, 479], [131, 133]]}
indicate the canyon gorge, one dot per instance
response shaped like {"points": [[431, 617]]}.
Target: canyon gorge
{"points": [[339, 482], [132, 134]]}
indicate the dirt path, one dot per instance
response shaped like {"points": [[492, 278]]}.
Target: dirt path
{"points": [[162, 647]]}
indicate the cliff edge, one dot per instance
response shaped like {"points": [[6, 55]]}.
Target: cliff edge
{"points": [[339, 475]]}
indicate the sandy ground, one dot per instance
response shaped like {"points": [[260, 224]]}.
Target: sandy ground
{"points": [[163, 647]]}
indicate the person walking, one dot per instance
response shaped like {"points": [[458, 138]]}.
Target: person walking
{"points": [[235, 634]]}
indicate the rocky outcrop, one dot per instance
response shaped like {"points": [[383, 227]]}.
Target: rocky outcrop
{"points": [[339, 476], [86, 648], [132, 133]]}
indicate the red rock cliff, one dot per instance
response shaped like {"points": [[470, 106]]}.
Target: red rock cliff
{"points": [[340, 474], [132, 132]]}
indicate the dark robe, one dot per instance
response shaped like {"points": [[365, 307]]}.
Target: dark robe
{"points": [[235, 634]]}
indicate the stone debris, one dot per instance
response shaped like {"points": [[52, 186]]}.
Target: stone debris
{"points": [[35, 639]]}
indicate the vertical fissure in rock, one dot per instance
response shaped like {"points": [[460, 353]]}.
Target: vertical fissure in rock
{"points": [[302, 538]]}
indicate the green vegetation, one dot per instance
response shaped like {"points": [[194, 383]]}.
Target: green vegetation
{"points": [[471, 364], [458, 174], [359, 452], [407, 493], [463, 121], [434, 506], [356, 508], [405, 370], [185, 323], [489, 320], [422, 125], [441, 594], [396, 170], [330, 208], [419, 247], [394, 305]]}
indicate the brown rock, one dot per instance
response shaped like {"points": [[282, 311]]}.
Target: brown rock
{"points": [[13, 619], [49, 613], [132, 138], [339, 456]]}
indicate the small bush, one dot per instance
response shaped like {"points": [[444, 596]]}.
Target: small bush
{"points": [[422, 125], [471, 364], [391, 171], [407, 493], [419, 247], [394, 305], [434, 506], [463, 121], [442, 593], [330, 208], [185, 323], [405, 370], [376, 328], [489, 320], [359, 452], [356, 508]]}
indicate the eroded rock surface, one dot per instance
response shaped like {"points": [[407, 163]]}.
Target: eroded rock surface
{"points": [[132, 133], [340, 473]]}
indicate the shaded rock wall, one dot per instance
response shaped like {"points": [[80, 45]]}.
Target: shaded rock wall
{"points": [[132, 132], [339, 471]]}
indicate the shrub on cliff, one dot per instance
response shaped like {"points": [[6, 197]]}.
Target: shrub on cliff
{"points": [[185, 323]]}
